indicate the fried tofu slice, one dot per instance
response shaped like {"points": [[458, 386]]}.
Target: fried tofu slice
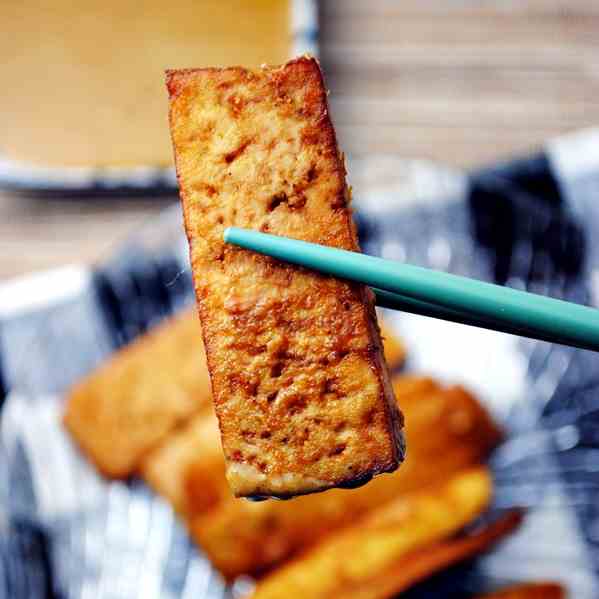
{"points": [[188, 469], [126, 407], [419, 565], [538, 590], [346, 563], [448, 430], [300, 386]]}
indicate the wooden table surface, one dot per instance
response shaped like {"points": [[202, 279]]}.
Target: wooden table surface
{"points": [[462, 83]]}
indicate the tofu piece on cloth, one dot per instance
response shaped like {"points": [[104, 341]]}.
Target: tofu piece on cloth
{"points": [[188, 468], [125, 408], [373, 558], [300, 385]]}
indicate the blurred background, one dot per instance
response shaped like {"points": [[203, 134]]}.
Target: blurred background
{"points": [[461, 83]]}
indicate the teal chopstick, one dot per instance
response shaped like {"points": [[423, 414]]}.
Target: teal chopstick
{"points": [[447, 296], [394, 301]]}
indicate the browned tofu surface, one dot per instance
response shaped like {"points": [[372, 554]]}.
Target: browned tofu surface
{"points": [[539, 590], [447, 431], [346, 563], [300, 386], [127, 406]]}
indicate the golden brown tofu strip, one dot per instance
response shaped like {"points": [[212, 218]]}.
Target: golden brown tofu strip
{"points": [[421, 564], [300, 385], [249, 538], [126, 407], [188, 469], [345, 563], [538, 590]]}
